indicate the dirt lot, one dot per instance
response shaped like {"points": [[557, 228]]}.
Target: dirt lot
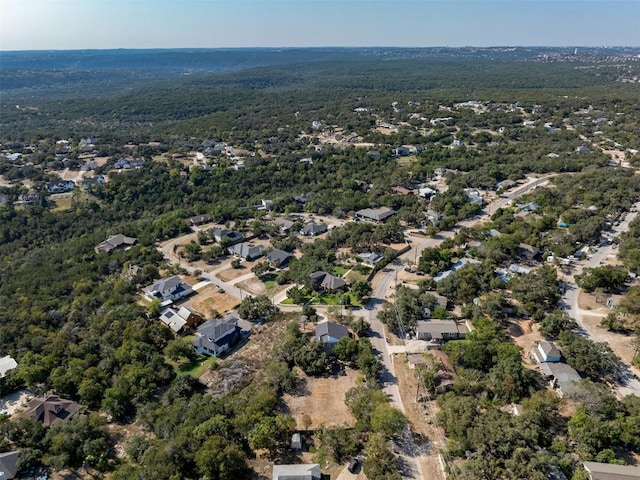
{"points": [[593, 312], [524, 334], [323, 400], [428, 436], [208, 299]]}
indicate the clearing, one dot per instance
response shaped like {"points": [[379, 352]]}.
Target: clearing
{"points": [[322, 400]]}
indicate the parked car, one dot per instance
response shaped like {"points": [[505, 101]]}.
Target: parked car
{"points": [[353, 465]]}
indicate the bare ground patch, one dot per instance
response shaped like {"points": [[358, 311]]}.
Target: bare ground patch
{"points": [[323, 400], [252, 285], [428, 437], [594, 309], [210, 298]]}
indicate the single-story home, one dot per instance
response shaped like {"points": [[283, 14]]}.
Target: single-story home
{"points": [[327, 282], [279, 258], [167, 290], [375, 215], [297, 472], [561, 376], [609, 471], [199, 219], [176, 319], [284, 224], [330, 333], [216, 336], [235, 237], [313, 229], [51, 409], [527, 251], [370, 258], [440, 330], [246, 250], [117, 241]]}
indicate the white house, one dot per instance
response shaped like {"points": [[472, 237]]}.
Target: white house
{"points": [[167, 290]]}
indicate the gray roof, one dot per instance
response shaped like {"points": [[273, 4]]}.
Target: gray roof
{"points": [[296, 472], [549, 349], [564, 374], [9, 464], [330, 329], [327, 281], [376, 214], [279, 257], [115, 242], [217, 328], [313, 228], [283, 223], [166, 287], [608, 471], [199, 219], [439, 327], [246, 250], [173, 319]]}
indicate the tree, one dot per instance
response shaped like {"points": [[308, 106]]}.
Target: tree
{"points": [[387, 420], [257, 308], [379, 463], [555, 323], [219, 459], [606, 277], [361, 289], [179, 348]]}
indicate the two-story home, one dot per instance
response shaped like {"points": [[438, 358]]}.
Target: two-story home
{"points": [[232, 235], [167, 290], [60, 186], [216, 336], [546, 352]]}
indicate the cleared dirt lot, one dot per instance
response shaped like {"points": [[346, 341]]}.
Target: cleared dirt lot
{"points": [[210, 298], [323, 400]]}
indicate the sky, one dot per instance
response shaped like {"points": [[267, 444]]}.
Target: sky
{"points": [[102, 24]]}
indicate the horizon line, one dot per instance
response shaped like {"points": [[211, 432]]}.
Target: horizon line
{"points": [[316, 47]]}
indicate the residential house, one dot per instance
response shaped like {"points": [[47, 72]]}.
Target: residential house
{"points": [[115, 242], [440, 330], [217, 336], [433, 217], [296, 472], [167, 290], [374, 154], [279, 258], [125, 164], [13, 157], [176, 319], [60, 186], [330, 333], [284, 224], [370, 258], [610, 471], [51, 409], [519, 269], [561, 376], [9, 465], [374, 215], [474, 196], [583, 149], [528, 252], [265, 205], [301, 199], [88, 183], [528, 207], [232, 235], [403, 191], [246, 250], [546, 352], [7, 363], [326, 282], [313, 229], [505, 185], [427, 192], [199, 219]]}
